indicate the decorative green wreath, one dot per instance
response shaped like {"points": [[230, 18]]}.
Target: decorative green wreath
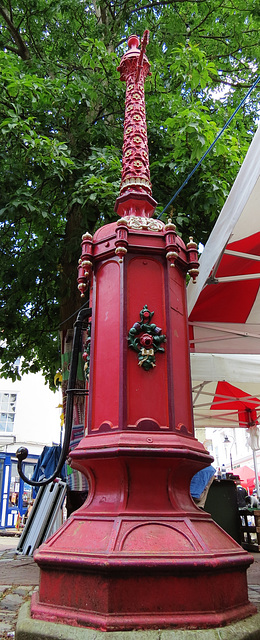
{"points": [[146, 339]]}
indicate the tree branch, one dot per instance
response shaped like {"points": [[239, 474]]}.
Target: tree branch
{"points": [[22, 49], [13, 49], [159, 3], [236, 85], [214, 9]]}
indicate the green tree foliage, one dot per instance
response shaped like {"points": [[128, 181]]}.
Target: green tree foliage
{"points": [[61, 119]]}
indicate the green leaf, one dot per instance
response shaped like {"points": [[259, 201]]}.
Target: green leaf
{"points": [[61, 137]]}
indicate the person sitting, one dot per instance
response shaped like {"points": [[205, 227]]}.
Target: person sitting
{"points": [[241, 496], [200, 484]]}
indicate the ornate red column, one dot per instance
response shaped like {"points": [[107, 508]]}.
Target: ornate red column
{"points": [[136, 189], [139, 553]]}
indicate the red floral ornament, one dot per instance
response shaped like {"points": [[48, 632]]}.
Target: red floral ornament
{"points": [[146, 339]]}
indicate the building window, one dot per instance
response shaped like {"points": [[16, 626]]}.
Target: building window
{"points": [[7, 412], [28, 470], [14, 486]]}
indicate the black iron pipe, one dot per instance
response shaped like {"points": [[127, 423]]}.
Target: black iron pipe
{"points": [[22, 452]]}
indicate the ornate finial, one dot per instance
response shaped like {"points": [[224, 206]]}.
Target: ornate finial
{"points": [[134, 68], [85, 263], [191, 244], [133, 42]]}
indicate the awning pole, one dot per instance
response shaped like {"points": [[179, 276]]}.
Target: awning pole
{"points": [[256, 474]]}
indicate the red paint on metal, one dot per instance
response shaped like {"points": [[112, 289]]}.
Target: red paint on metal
{"points": [[140, 553], [135, 172], [147, 395], [104, 388], [180, 350], [134, 68]]}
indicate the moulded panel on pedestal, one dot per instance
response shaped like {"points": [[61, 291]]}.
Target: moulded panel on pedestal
{"points": [[215, 537], [78, 531], [180, 358], [160, 537], [104, 391], [146, 390]]}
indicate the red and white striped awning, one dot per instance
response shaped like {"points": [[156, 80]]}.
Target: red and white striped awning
{"points": [[224, 304]]}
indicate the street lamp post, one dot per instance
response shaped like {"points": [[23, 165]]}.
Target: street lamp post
{"points": [[254, 441], [227, 441]]}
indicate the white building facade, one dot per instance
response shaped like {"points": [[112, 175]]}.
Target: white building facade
{"points": [[30, 416]]}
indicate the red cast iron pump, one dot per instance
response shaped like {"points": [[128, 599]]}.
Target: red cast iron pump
{"points": [[139, 553]]}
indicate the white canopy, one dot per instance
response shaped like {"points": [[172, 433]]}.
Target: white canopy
{"points": [[236, 369], [224, 304], [208, 370]]}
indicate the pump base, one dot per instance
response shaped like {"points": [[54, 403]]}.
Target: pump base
{"points": [[180, 595], [30, 629], [140, 554]]}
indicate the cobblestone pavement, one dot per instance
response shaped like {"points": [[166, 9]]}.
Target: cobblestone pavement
{"points": [[11, 599], [19, 577]]}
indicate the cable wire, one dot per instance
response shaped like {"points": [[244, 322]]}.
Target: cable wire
{"points": [[211, 146], [72, 315]]}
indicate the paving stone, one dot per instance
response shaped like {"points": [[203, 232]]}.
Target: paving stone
{"points": [[8, 616], [12, 602], [3, 588], [8, 553], [254, 587], [4, 559], [22, 591], [5, 626]]}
